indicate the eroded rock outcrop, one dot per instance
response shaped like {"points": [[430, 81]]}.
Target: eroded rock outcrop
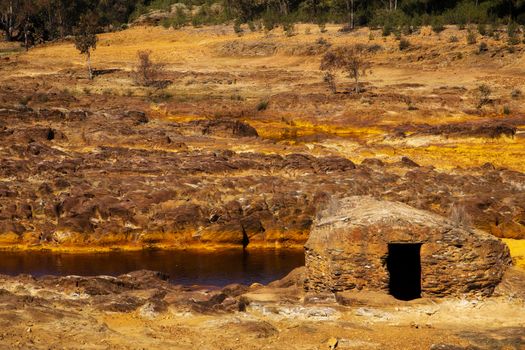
{"points": [[83, 178]]}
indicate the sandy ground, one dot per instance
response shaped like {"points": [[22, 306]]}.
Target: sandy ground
{"points": [[45, 315]]}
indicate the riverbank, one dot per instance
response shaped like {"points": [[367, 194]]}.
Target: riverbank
{"points": [[142, 310], [195, 247]]}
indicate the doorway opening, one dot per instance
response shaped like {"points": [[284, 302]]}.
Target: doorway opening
{"points": [[404, 268]]}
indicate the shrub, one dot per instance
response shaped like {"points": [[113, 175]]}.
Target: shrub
{"points": [[453, 39], [351, 60], [438, 24], [251, 26], [397, 34], [512, 29], [166, 23], [513, 41], [491, 30], [471, 37], [269, 20], [371, 36], [237, 27], [516, 93], [262, 105], [180, 19], [512, 34], [388, 28], [24, 100], [482, 29], [329, 79], [160, 97], [323, 42], [483, 47], [404, 44], [484, 92], [322, 27], [147, 72], [289, 29], [506, 110], [237, 97]]}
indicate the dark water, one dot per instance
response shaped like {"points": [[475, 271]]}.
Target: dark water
{"points": [[217, 268]]}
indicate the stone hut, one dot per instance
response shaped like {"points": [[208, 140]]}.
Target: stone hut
{"points": [[363, 243]]}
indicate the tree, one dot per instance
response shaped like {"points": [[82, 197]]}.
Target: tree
{"points": [[147, 72], [10, 20], [352, 60], [86, 40]]}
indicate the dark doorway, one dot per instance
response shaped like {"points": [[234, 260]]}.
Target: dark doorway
{"points": [[404, 267]]}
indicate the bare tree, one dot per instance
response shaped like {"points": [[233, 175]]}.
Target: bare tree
{"points": [[147, 72], [329, 64], [352, 60], [86, 40]]}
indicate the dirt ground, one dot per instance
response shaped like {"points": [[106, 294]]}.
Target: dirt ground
{"points": [[140, 311]]}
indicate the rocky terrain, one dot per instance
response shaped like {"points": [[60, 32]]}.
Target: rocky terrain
{"points": [[83, 178], [242, 144], [245, 155], [140, 310]]}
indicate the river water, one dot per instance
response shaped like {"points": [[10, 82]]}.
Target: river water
{"points": [[216, 268]]}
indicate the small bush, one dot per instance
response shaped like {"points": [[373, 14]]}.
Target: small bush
{"points": [[371, 36], [483, 47], [160, 97], [24, 100], [453, 39], [513, 41], [269, 20], [251, 26], [388, 28], [516, 93], [484, 92], [506, 110], [237, 27], [237, 97], [491, 30], [482, 29], [329, 80], [308, 31], [147, 72], [323, 42], [262, 105], [404, 44], [471, 37], [322, 27], [512, 30], [438, 24], [397, 34], [289, 29]]}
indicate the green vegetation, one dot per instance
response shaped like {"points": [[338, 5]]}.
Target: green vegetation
{"points": [[34, 21]]}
